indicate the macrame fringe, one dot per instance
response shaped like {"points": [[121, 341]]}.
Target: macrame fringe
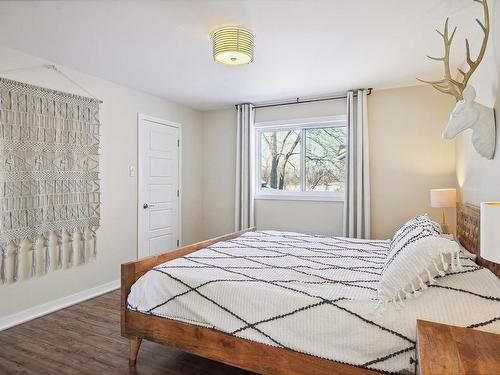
{"points": [[443, 262], [81, 241], [59, 245], [70, 242], [46, 252], [3, 259], [400, 295], [92, 235], [456, 265], [17, 249], [33, 258]]}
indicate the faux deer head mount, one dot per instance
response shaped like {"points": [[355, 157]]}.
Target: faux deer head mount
{"points": [[467, 114]]}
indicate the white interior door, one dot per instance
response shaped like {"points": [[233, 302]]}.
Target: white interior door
{"points": [[158, 219]]}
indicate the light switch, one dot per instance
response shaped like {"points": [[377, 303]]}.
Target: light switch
{"points": [[131, 171]]}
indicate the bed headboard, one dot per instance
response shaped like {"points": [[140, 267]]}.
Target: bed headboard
{"points": [[469, 233]]}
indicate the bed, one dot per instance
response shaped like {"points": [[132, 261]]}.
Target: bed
{"points": [[281, 302]]}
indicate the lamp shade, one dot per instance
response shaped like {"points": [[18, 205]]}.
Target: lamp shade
{"points": [[442, 198], [490, 231], [232, 45]]}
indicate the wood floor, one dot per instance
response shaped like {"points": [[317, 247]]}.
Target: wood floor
{"points": [[85, 339]]}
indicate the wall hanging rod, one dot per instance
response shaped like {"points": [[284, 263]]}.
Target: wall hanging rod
{"points": [[53, 68], [298, 101]]}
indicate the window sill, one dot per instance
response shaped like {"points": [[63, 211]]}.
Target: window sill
{"points": [[293, 197]]}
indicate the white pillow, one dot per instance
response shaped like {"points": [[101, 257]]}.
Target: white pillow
{"points": [[466, 253], [420, 221], [418, 253]]}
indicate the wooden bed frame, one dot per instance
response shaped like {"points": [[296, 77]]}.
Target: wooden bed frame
{"points": [[469, 233], [238, 352], [210, 343]]}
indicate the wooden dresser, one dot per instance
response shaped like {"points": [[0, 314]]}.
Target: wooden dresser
{"points": [[448, 350]]}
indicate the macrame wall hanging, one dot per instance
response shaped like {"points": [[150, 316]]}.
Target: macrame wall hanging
{"points": [[49, 180]]}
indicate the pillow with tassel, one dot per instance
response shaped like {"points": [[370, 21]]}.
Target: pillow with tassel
{"points": [[418, 253], [418, 221]]}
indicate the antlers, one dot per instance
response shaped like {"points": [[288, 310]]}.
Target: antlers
{"points": [[451, 86], [447, 85]]}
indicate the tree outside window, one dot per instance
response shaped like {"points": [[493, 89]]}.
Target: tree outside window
{"points": [[303, 159]]}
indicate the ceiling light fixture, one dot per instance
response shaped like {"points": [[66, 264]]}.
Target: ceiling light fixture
{"points": [[232, 45]]}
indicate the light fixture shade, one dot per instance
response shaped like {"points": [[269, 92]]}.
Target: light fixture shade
{"points": [[443, 198], [232, 45], [490, 231]]}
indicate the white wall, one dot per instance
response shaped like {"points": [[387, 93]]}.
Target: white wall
{"points": [[117, 236], [219, 165], [300, 216], [408, 155], [479, 178]]}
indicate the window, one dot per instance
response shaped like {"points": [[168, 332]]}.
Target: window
{"points": [[301, 160]]}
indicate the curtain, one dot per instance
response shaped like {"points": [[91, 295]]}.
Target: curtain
{"points": [[244, 204], [357, 188]]}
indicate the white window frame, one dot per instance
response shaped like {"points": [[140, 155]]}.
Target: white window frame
{"points": [[302, 125]]}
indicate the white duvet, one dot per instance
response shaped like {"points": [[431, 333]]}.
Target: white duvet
{"points": [[312, 294]]}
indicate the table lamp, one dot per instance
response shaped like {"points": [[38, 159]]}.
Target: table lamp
{"points": [[443, 198], [490, 231]]}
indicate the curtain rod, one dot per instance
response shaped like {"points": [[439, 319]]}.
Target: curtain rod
{"points": [[298, 101]]}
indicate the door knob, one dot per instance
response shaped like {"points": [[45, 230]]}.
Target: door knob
{"points": [[145, 205]]}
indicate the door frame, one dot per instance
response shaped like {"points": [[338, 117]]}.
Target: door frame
{"points": [[140, 118]]}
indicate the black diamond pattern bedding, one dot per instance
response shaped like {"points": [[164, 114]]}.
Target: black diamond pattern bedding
{"points": [[312, 294]]}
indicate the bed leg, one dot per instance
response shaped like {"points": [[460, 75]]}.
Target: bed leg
{"points": [[135, 344]]}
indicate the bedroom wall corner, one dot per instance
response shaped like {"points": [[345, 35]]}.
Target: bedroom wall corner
{"points": [[219, 165]]}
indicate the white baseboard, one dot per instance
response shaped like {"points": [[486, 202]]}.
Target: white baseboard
{"points": [[58, 304]]}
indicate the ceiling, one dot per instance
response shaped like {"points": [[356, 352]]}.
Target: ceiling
{"points": [[302, 48]]}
